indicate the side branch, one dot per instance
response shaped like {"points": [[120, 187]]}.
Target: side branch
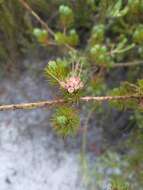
{"points": [[108, 98], [44, 104], [42, 22], [128, 64], [29, 9]]}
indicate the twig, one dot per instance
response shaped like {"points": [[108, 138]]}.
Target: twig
{"points": [[85, 129], [108, 98], [44, 104], [128, 64], [118, 51], [44, 24], [32, 105], [125, 64]]}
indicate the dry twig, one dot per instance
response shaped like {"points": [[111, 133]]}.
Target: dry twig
{"points": [[45, 104], [29, 9]]}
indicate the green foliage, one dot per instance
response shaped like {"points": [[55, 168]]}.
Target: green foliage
{"points": [[41, 35], [116, 10], [13, 29], [99, 54], [135, 6], [97, 34], [138, 34], [57, 70], [67, 74], [71, 38], [65, 121], [104, 34], [139, 119], [122, 46], [66, 15], [119, 184], [60, 38], [111, 167], [140, 85], [93, 40], [126, 89]]}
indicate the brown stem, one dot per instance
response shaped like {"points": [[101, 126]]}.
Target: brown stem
{"points": [[127, 64], [44, 24], [44, 104], [32, 105], [108, 98]]}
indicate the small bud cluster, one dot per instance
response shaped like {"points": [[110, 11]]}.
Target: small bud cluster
{"points": [[71, 38], [97, 35], [72, 84], [41, 35], [99, 54], [65, 10], [66, 121], [66, 16], [138, 34]]}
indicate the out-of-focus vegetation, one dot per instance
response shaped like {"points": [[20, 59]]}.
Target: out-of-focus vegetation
{"points": [[101, 54], [13, 29]]}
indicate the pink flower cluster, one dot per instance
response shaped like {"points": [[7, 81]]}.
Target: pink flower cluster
{"points": [[72, 84]]}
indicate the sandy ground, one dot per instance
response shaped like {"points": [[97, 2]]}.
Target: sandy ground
{"points": [[31, 158]]}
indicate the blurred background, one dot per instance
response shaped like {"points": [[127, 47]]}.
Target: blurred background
{"points": [[108, 147]]}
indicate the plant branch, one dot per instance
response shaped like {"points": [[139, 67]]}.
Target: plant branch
{"points": [[118, 51], [108, 98], [44, 24], [128, 64], [45, 104]]}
